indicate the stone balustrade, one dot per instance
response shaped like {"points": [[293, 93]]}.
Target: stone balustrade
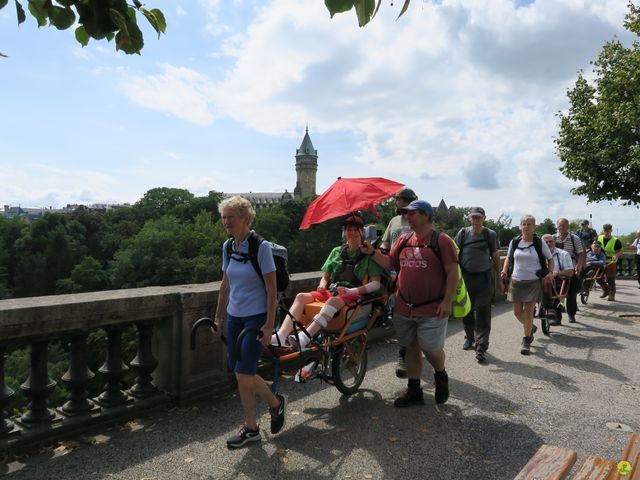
{"points": [[166, 369]]}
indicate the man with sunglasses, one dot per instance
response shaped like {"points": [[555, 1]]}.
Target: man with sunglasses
{"points": [[571, 243], [562, 270]]}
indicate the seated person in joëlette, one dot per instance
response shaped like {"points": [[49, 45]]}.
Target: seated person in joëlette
{"points": [[596, 258], [340, 285]]}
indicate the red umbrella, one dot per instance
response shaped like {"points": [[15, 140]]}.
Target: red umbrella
{"points": [[348, 195]]}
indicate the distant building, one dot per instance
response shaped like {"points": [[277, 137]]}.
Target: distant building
{"points": [[31, 214], [306, 169]]}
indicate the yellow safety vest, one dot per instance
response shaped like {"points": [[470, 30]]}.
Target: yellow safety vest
{"points": [[609, 250], [461, 301]]}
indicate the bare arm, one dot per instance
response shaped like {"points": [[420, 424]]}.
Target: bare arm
{"points": [[223, 301], [324, 281], [445, 307], [495, 256]]}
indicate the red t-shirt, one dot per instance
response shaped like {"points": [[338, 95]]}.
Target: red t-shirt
{"points": [[421, 276]]}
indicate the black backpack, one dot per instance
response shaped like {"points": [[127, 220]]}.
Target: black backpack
{"points": [[279, 258], [537, 244]]}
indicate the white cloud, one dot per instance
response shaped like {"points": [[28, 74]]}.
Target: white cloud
{"points": [[445, 88]]}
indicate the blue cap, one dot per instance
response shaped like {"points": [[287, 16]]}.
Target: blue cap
{"points": [[421, 205]]}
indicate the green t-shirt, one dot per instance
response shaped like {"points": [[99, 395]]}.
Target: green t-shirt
{"points": [[365, 267]]}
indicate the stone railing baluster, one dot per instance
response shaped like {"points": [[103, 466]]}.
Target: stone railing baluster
{"points": [[114, 369], [38, 387], [77, 377], [145, 363], [6, 393]]}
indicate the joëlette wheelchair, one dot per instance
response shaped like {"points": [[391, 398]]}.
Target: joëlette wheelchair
{"points": [[337, 355], [551, 305], [591, 276]]}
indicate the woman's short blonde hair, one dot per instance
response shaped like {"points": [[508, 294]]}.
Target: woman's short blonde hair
{"points": [[527, 218], [240, 205]]}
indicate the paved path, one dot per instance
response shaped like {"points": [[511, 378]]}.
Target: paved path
{"points": [[575, 382]]}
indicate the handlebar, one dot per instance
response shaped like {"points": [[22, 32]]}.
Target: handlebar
{"points": [[203, 321]]}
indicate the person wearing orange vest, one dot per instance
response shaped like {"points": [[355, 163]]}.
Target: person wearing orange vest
{"points": [[613, 249]]}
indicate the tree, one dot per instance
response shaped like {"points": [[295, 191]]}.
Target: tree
{"points": [[97, 19], [599, 137], [365, 9], [547, 226]]}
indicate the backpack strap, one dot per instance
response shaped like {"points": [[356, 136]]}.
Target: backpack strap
{"points": [[255, 241], [537, 244]]}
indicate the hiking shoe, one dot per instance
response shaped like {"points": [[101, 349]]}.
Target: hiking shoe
{"points": [[278, 415], [526, 346], [245, 435], [604, 294], [442, 386], [411, 396], [612, 297], [468, 344], [555, 322], [401, 368], [480, 356], [572, 319]]}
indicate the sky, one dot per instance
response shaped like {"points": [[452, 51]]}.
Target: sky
{"points": [[457, 99]]}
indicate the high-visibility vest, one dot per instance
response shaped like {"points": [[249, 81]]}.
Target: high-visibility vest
{"points": [[609, 249], [461, 301]]}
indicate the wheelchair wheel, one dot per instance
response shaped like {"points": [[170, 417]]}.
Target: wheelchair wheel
{"points": [[544, 323], [349, 365]]}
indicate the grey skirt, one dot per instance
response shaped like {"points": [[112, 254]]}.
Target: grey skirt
{"points": [[524, 291]]}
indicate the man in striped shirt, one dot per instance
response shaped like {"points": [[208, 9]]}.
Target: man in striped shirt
{"points": [[571, 244]]}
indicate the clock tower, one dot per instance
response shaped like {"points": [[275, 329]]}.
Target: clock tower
{"points": [[306, 168]]}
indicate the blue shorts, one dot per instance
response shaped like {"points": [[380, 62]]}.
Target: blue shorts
{"points": [[251, 348]]}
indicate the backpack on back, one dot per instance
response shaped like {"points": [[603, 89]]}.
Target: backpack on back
{"points": [[537, 244], [461, 302], [280, 257], [485, 238]]}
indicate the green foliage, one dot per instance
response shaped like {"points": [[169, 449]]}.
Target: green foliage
{"points": [[547, 226], [599, 140], [366, 10], [98, 19]]}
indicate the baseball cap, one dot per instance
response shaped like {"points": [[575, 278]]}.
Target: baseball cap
{"points": [[353, 219], [585, 222], [476, 211], [421, 205], [407, 194]]}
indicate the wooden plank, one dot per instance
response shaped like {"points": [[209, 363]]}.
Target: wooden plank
{"points": [[549, 463], [631, 455], [594, 468]]}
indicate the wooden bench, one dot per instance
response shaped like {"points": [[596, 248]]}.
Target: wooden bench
{"points": [[553, 463]]}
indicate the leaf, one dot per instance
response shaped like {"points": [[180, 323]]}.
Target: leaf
{"points": [[152, 20], [82, 36], [61, 18], [3, 3], [188, 460], [535, 386], [284, 459], [338, 6], [364, 10], [20, 13], [404, 8], [393, 439], [39, 12], [3, 55], [376, 10], [162, 22]]}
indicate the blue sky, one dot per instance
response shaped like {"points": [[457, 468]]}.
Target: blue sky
{"points": [[457, 99]]}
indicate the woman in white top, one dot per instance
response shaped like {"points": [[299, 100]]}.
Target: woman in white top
{"points": [[636, 244], [526, 279]]}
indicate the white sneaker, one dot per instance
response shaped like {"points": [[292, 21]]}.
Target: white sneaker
{"points": [[304, 340]]}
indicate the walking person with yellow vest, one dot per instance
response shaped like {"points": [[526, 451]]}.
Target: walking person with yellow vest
{"points": [[613, 250], [427, 264]]}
